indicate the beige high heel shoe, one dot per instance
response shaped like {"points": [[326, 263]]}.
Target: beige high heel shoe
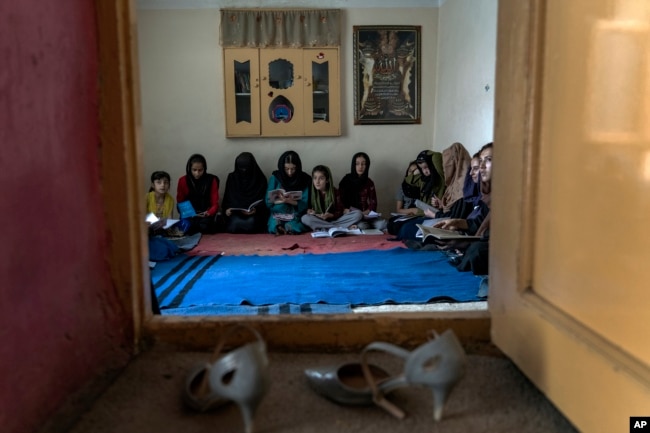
{"points": [[438, 364], [240, 376]]}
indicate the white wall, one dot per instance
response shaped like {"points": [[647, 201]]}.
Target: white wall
{"points": [[466, 64], [182, 97]]}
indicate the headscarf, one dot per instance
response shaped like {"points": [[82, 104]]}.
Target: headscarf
{"points": [[352, 183], [485, 197], [486, 186], [246, 184], [433, 183], [471, 189], [456, 162], [328, 203], [199, 189], [299, 181], [410, 190]]}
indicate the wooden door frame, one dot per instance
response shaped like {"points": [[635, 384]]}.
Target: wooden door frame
{"points": [[122, 162], [564, 358]]}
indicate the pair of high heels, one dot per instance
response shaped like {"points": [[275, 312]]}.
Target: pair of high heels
{"points": [[438, 364], [240, 376]]}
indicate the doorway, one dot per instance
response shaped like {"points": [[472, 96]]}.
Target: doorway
{"points": [[124, 161]]}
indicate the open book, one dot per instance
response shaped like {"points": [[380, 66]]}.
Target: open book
{"points": [[342, 231], [250, 208], [424, 206], [276, 194], [371, 215], [152, 218], [186, 209], [334, 232], [443, 234], [402, 217]]}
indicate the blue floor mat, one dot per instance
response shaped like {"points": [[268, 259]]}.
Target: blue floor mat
{"points": [[291, 283]]}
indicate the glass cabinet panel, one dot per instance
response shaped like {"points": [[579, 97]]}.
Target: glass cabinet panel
{"points": [[320, 90], [243, 91], [280, 74]]}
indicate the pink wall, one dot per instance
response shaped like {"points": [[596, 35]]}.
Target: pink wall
{"points": [[61, 323]]}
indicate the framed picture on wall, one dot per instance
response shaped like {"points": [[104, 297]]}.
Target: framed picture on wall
{"points": [[386, 75]]}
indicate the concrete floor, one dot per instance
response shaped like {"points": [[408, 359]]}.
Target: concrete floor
{"points": [[492, 397]]}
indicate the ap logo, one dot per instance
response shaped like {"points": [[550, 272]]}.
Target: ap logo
{"points": [[640, 424]]}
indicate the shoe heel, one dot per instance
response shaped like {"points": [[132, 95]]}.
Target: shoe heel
{"points": [[240, 376], [439, 398], [248, 414]]}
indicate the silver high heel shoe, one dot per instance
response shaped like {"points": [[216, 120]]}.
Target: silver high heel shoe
{"points": [[240, 376], [438, 364]]}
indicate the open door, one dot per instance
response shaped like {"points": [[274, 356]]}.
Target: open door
{"points": [[570, 257]]}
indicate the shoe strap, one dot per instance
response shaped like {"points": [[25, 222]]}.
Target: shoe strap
{"points": [[204, 387], [377, 395], [226, 336]]}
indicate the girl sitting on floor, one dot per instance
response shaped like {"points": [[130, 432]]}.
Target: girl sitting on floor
{"points": [[358, 191], [325, 205], [244, 186], [286, 211], [158, 200], [201, 189]]}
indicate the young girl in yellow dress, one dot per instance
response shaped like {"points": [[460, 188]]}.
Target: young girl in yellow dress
{"points": [[159, 201]]}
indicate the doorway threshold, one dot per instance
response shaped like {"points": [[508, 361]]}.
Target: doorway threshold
{"points": [[439, 306]]}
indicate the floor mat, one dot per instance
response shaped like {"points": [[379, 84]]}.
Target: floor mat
{"points": [[345, 279], [271, 245]]}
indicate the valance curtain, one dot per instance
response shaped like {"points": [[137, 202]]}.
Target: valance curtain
{"points": [[280, 28]]}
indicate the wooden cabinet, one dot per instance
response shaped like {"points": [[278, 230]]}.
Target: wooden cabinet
{"points": [[282, 92]]}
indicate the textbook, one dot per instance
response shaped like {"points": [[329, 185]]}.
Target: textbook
{"points": [[402, 217], [335, 232], [186, 209], [283, 216], [342, 231], [276, 194], [152, 218], [371, 215], [442, 234], [250, 208], [424, 206]]}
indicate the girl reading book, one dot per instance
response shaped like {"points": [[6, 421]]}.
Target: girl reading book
{"points": [[286, 209], [325, 205], [159, 201], [358, 191], [201, 190], [245, 186]]}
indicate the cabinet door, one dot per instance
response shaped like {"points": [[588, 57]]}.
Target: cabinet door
{"points": [[281, 92], [321, 91], [242, 92]]}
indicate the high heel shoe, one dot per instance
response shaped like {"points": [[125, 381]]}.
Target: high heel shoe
{"points": [[240, 376], [437, 364]]}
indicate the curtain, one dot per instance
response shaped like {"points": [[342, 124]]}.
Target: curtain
{"points": [[280, 28]]}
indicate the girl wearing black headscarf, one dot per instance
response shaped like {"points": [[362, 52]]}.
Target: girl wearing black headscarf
{"points": [[202, 190], [245, 186], [358, 191], [286, 211], [429, 181]]}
